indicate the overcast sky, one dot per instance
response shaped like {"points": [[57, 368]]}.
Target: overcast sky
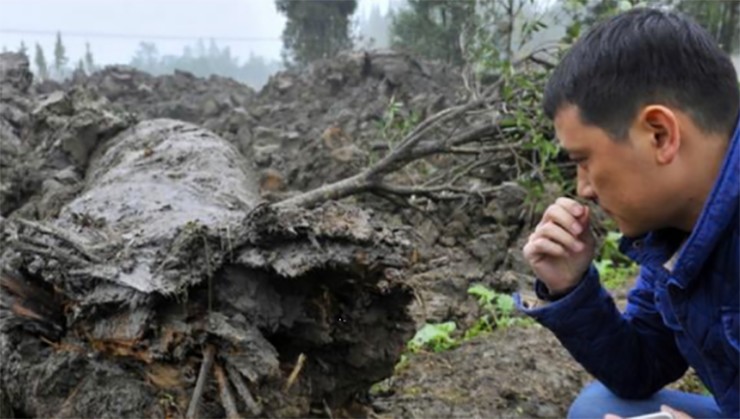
{"points": [[114, 28]]}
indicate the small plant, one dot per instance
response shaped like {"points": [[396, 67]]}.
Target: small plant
{"points": [[397, 122], [499, 311], [434, 336]]}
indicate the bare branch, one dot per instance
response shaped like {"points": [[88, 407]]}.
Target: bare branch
{"points": [[205, 368], [482, 150], [241, 389], [227, 398], [444, 192], [338, 190], [293, 377]]}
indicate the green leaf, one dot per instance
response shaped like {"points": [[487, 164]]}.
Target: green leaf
{"points": [[436, 336], [624, 5], [485, 295], [505, 304]]}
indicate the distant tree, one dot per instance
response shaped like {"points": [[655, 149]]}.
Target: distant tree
{"points": [[146, 58], [720, 17], [60, 56], [204, 61], [376, 28], [23, 49], [89, 61], [40, 60], [315, 29], [80, 65], [433, 28]]}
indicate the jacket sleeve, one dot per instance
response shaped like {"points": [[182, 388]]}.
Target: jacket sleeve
{"points": [[633, 354]]}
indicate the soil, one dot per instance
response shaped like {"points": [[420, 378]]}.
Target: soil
{"points": [[517, 372]]}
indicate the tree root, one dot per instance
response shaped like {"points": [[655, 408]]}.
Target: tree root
{"points": [[205, 368]]}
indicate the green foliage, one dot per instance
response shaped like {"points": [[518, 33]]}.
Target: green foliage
{"points": [[23, 49], [433, 28], [720, 18], [89, 60], [203, 61], [60, 56], [434, 336], [397, 122], [41, 67], [501, 30], [498, 312], [315, 29], [615, 269], [498, 308]]}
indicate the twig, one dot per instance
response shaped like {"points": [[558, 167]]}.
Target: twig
{"points": [[431, 191], [205, 368], [327, 409], [294, 374], [227, 399], [489, 149], [241, 389]]}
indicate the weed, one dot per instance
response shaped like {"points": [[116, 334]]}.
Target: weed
{"points": [[434, 336], [499, 312]]}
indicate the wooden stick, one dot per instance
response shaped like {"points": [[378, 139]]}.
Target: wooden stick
{"points": [[294, 374], [227, 399], [205, 368], [241, 388]]}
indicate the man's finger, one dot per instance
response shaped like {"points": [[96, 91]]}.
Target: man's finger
{"points": [[575, 208], [561, 216], [541, 247], [557, 234]]}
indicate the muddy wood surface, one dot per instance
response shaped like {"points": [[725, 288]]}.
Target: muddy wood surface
{"points": [[145, 272]]}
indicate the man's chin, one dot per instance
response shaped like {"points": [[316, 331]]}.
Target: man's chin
{"points": [[628, 230]]}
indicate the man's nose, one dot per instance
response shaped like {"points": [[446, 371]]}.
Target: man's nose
{"points": [[584, 188]]}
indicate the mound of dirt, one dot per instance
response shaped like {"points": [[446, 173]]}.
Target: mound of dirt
{"points": [[142, 250]]}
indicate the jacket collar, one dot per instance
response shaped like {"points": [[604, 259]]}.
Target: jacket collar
{"points": [[719, 211]]}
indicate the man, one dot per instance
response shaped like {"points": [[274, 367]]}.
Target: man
{"points": [[647, 105]]}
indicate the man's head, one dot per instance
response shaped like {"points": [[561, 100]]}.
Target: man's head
{"points": [[645, 102]]}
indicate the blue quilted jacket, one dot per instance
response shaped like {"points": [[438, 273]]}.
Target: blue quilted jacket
{"points": [[674, 319]]}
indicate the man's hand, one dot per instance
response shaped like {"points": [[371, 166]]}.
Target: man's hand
{"points": [[562, 246]]}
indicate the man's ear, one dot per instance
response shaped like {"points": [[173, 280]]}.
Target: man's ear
{"points": [[661, 124]]}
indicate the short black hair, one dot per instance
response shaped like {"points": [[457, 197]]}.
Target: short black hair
{"points": [[646, 56]]}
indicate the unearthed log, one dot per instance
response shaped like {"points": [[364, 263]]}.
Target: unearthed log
{"points": [[167, 250]]}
